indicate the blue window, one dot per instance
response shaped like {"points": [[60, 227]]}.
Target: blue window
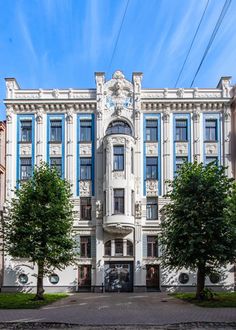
{"points": [[118, 127], [152, 208], [151, 130], [211, 159], [56, 162], [179, 162], [25, 130], [55, 130], [25, 168], [118, 158], [85, 168], [151, 168], [85, 130], [181, 130], [211, 130]]}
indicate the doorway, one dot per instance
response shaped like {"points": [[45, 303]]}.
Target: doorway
{"points": [[118, 276], [84, 278], [152, 277]]}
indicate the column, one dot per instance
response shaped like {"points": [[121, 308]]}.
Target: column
{"points": [[196, 133], [39, 136], [227, 157], [70, 171], [166, 147]]}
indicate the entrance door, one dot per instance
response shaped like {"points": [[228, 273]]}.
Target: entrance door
{"points": [[84, 278], [118, 277], [152, 277]]}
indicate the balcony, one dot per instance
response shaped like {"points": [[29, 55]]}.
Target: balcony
{"points": [[118, 224]]}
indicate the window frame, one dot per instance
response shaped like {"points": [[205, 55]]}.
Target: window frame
{"points": [[85, 209], [152, 246], [87, 129], [150, 174], [27, 128], [150, 203], [85, 246], [181, 131], [152, 127], [87, 168], [211, 129], [119, 201], [56, 166], [28, 169], [118, 158], [57, 136]]}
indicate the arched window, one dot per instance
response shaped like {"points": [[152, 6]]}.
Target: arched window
{"points": [[119, 127]]}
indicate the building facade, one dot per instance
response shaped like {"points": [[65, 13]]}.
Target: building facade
{"points": [[117, 144]]}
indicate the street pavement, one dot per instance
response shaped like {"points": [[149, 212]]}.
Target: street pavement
{"points": [[124, 310]]}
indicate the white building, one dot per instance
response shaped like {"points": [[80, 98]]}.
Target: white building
{"points": [[117, 145]]}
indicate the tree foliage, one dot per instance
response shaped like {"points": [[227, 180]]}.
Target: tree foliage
{"points": [[196, 234], [39, 223]]}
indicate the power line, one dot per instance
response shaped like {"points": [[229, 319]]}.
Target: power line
{"points": [[118, 35], [190, 48], [213, 35]]}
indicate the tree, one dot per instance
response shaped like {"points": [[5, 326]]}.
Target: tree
{"points": [[39, 223], [196, 234]]}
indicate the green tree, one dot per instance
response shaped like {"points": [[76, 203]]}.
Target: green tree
{"points": [[196, 234], [39, 223]]}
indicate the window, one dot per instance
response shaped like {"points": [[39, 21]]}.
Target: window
{"points": [[181, 130], [56, 162], [118, 201], [152, 246], [132, 160], [132, 203], [179, 162], [151, 130], [118, 160], [211, 159], [53, 278], [183, 278], [108, 248], [85, 168], [85, 246], [151, 168], [55, 131], [119, 247], [129, 248], [25, 168], [23, 278], [211, 130], [85, 208], [118, 127], [26, 131], [152, 208], [85, 130], [214, 278]]}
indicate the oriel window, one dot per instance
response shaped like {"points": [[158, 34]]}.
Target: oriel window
{"points": [[118, 201], [118, 158]]}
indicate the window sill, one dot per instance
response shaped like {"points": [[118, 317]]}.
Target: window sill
{"points": [[25, 142], [151, 141], [181, 140], [211, 141], [85, 142]]}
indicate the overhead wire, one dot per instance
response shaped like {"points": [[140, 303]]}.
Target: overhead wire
{"points": [[213, 35], [118, 35], [190, 48]]}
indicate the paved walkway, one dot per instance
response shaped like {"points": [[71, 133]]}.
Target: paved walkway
{"points": [[122, 309]]}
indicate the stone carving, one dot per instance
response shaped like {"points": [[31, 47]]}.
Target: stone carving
{"points": [[180, 93], [118, 175], [85, 188], [166, 114], [209, 95], [118, 140], [39, 116], [99, 209], [151, 149], [10, 89], [181, 148], [85, 149], [226, 88], [165, 92], [211, 149], [152, 187], [69, 116], [55, 149], [227, 113], [195, 92], [55, 93], [196, 114], [25, 149], [70, 93], [138, 210]]}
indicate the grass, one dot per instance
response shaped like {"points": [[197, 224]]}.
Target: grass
{"points": [[220, 299], [24, 300]]}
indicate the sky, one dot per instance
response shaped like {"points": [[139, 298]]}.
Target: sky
{"points": [[61, 43]]}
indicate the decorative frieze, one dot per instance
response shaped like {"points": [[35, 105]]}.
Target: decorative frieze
{"points": [[117, 175], [85, 149], [152, 188], [55, 149], [85, 188], [151, 149], [181, 148], [25, 149], [211, 148]]}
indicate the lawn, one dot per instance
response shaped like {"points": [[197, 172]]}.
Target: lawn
{"points": [[220, 299], [25, 300]]}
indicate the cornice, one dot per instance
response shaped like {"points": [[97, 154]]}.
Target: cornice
{"points": [[51, 106], [186, 105]]}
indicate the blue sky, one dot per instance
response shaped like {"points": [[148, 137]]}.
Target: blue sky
{"points": [[61, 43]]}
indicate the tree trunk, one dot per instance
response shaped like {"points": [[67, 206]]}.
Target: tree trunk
{"points": [[200, 281], [40, 289]]}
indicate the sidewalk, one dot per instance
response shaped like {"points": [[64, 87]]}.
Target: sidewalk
{"points": [[123, 309]]}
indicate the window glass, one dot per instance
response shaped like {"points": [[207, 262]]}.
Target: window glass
{"points": [[85, 168], [85, 130], [119, 247], [26, 130], [23, 278], [108, 248], [55, 130], [214, 278], [211, 130], [54, 278], [152, 208], [151, 168], [181, 130], [183, 278], [118, 158], [152, 246], [85, 208], [151, 130], [85, 246], [132, 160], [211, 159], [179, 162], [56, 162], [118, 127], [25, 168], [119, 201], [129, 248]]}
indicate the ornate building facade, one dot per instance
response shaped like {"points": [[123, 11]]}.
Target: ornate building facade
{"points": [[117, 144]]}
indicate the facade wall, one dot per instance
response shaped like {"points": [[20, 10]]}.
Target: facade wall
{"points": [[117, 144]]}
